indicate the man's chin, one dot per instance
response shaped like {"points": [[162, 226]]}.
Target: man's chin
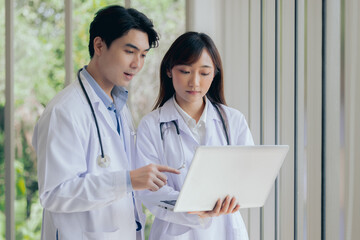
{"points": [[123, 83]]}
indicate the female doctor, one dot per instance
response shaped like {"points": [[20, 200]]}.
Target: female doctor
{"points": [[191, 111]]}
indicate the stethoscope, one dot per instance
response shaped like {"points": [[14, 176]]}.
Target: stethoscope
{"points": [[102, 160], [183, 163]]}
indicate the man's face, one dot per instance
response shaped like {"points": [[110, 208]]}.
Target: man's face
{"points": [[125, 57]]}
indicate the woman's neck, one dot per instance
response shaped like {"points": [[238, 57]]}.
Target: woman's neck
{"points": [[194, 109]]}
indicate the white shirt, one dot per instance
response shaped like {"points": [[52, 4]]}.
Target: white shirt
{"points": [[197, 129]]}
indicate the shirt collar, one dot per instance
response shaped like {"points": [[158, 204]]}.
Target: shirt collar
{"points": [[119, 94], [187, 118]]}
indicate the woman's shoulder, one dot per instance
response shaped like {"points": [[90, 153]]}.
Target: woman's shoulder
{"points": [[150, 119], [231, 113], [154, 116]]}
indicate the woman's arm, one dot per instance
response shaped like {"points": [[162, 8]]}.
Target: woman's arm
{"points": [[148, 152]]}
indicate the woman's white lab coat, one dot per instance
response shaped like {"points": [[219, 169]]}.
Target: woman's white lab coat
{"points": [[150, 149], [82, 200]]}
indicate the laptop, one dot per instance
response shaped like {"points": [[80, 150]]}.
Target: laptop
{"points": [[245, 172]]}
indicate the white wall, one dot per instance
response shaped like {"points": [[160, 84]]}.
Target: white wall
{"points": [[294, 76]]}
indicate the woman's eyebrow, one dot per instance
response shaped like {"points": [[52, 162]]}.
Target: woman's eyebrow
{"points": [[206, 66], [190, 65]]}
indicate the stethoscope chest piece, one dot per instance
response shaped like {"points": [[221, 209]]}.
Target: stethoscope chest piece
{"points": [[103, 162]]}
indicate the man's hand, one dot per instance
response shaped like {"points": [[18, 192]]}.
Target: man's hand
{"points": [[227, 206], [150, 177]]}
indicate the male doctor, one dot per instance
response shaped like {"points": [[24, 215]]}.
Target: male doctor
{"points": [[84, 140]]}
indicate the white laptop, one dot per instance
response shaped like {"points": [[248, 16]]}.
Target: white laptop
{"points": [[245, 172]]}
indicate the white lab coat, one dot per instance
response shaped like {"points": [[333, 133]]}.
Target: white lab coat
{"points": [[149, 146], [81, 200]]}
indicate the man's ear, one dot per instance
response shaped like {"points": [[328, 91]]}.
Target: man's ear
{"points": [[98, 46]]}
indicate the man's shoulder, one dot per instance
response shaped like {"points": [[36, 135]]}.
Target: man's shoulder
{"points": [[68, 100]]}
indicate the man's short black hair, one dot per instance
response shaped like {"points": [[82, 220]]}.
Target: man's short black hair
{"points": [[115, 21]]}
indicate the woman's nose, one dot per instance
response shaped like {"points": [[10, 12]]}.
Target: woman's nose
{"points": [[194, 80]]}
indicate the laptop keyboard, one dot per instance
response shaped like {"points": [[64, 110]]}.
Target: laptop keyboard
{"points": [[170, 202]]}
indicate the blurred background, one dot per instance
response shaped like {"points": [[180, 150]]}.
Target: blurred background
{"points": [[291, 66]]}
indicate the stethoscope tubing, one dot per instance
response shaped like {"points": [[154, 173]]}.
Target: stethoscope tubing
{"points": [[178, 134], [178, 131], [223, 123], [93, 113]]}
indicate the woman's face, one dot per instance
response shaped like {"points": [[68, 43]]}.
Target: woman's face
{"points": [[192, 82]]}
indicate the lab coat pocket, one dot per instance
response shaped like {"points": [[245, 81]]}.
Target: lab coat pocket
{"points": [[239, 234], [177, 232], [184, 236], [104, 235]]}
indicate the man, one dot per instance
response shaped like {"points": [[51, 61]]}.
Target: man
{"points": [[84, 140]]}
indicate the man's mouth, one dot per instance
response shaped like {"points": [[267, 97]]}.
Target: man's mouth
{"points": [[129, 76]]}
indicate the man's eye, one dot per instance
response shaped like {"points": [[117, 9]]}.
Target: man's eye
{"points": [[129, 51]]}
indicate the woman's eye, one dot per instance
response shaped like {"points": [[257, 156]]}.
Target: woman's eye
{"points": [[184, 71], [205, 74]]}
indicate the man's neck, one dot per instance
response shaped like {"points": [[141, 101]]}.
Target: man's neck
{"points": [[93, 70]]}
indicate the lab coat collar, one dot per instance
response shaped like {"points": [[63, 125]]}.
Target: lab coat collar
{"points": [[94, 98], [120, 94], [169, 112], [96, 102], [212, 113], [187, 118]]}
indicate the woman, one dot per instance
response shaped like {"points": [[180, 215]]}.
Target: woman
{"points": [[191, 99]]}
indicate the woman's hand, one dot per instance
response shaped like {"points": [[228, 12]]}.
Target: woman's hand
{"points": [[227, 206]]}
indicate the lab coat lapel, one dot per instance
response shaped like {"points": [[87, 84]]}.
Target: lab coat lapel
{"points": [[168, 113], [214, 130], [99, 108], [128, 134]]}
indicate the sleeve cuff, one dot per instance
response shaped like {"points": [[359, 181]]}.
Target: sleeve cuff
{"points": [[120, 184], [129, 187]]}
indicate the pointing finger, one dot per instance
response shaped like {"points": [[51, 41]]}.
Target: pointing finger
{"points": [[163, 168]]}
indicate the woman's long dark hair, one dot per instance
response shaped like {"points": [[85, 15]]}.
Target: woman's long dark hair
{"points": [[186, 50]]}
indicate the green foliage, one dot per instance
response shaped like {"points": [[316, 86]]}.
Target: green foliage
{"points": [[149, 220], [39, 48]]}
